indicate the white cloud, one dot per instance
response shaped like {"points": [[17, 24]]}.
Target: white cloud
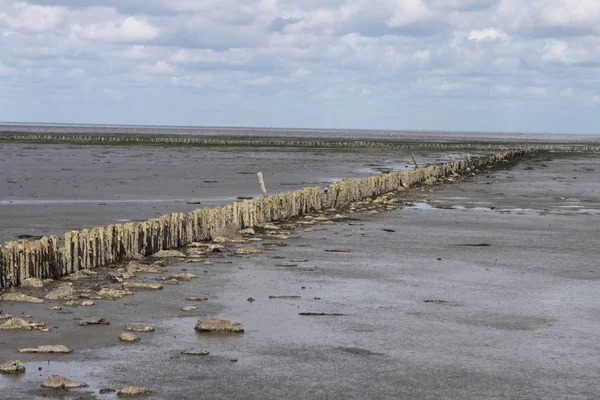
{"points": [[27, 17], [130, 29], [488, 34], [558, 51]]}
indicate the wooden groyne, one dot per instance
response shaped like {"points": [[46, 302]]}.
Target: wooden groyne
{"points": [[257, 141], [52, 257]]}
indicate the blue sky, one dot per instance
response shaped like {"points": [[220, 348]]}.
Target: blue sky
{"points": [[492, 65]]}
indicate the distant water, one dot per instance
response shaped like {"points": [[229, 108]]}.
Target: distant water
{"points": [[294, 133]]}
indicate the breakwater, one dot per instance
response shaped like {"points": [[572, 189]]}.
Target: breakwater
{"points": [[53, 257], [258, 141]]}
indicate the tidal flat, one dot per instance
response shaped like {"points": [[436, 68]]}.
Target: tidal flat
{"points": [[480, 287]]}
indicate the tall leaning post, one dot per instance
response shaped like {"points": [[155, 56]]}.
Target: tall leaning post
{"points": [[261, 182]]}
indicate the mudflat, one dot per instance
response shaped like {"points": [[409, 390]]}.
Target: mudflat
{"points": [[479, 288]]}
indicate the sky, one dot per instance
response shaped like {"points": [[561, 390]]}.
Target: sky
{"points": [[474, 65]]}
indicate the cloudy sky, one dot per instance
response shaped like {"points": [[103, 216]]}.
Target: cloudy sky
{"points": [[498, 65]]}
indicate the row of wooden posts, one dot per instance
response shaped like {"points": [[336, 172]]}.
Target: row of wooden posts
{"points": [[191, 140], [51, 257]]}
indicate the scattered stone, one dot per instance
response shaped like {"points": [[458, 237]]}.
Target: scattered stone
{"points": [[130, 390], [18, 323], [313, 314], [244, 198], [113, 294], [106, 391], [268, 227], [139, 328], [322, 219], [12, 367], [218, 325], [197, 298], [275, 244], [128, 337], [207, 248], [388, 230], [285, 297], [182, 276], [65, 292], [48, 349], [119, 275], [32, 283], [57, 308], [60, 382], [251, 299], [169, 254], [435, 301], [221, 239], [193, 202], [155, 268], [21, 298], [87, 303], [248, 231], [142, 286], [189, 308], [248, 250], [299, 260], [81, 274], [195, 352], [72, 303], [5, 316], [94, 321]]}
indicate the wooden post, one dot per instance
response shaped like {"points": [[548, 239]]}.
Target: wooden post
{"points": [[468, 157], [261, 182], [415, 161]]}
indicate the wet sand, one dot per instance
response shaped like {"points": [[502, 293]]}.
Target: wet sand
{"points": [[494, 300], [50, 189]]}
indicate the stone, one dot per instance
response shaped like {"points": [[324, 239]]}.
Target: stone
{"points": [[130, 390], [32, 283], [195, 352], [154, 268], [21, 298], [189, 308], [18, 323], [142, 286], [87, 303], [60, 382], [72, 303], [56, 308], [322, 219], [113, 294], [218, 325], [247, 231], [139, 328], [182, 276], [206, 248], [270, 227], [169, 254], [119, 275], [12, 367], [65, 292], [197, 298], [128, 337], [94, 321], [81, 274], [49, 349], [248, 250]]}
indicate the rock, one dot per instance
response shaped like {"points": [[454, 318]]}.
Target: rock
{"points": [[50, 349], [142, 286], [248, 250], [106, 391], [169, 254], [81, 274], [72, 303], [130, 390], [119, 275], [183, 276], [197, 298], [207, 248], [139, 328], [189, 308], [87, 303], [94, 321], [21, 298], [128, 337], [32, 283], [12, 367], [270, 227], [218, 325], [155, 268], [58, 308], [113, 294], [247, 231], [18, 323], [65, 292], [322, 219], [60, 382], [195, 352]]}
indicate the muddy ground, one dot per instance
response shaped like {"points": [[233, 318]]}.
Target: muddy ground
{"points": [[483, 288]]}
